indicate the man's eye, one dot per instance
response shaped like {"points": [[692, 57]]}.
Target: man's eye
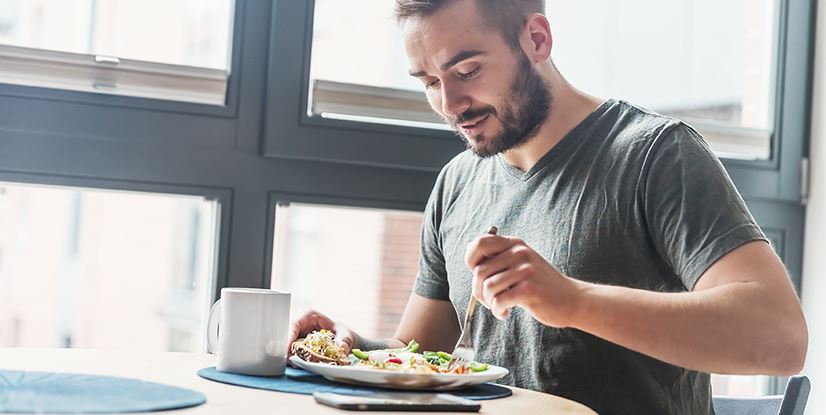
{"points": [[432, 84], [468, 75]]}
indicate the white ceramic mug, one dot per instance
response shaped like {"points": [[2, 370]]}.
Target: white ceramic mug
{"points": [[253, 331]]}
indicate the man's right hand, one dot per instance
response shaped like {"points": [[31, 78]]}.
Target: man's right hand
{"points": [[312, 320], [432, 323]]}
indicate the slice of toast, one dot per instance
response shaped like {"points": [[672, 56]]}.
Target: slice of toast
{"points": [[300, 349]]}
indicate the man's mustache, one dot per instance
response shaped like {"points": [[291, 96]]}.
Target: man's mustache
{"points": [[470, 115]]}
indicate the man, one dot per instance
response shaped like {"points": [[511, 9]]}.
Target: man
{"points": [[626, 267]]}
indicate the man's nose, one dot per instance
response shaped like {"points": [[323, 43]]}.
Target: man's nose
{"points": [[454, 100]]}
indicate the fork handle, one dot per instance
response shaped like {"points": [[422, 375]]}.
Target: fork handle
{"points": [[471, 304]]}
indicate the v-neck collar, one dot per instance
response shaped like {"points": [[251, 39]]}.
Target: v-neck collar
{"points": [[556, 150]]}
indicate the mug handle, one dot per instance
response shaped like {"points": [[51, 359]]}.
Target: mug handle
{"points": [[212, 327]]}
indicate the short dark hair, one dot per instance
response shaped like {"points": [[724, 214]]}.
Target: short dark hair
{"points": [[506, 15]]}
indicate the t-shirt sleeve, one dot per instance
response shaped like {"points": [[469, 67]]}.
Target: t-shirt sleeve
{"points": [[694, 213], [431, 280]]}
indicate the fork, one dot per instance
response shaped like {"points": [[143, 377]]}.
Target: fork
{"points": [[464, 353]]}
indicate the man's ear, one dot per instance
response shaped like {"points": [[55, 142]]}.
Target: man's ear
{"points": [[537, 39]]}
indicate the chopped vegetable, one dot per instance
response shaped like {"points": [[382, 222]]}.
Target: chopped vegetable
{"points": [[433, 359], [395, 360], [444, 356], [478, 367], [358, 353]]}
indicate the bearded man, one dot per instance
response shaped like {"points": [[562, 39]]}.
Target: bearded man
{"points": [[626, 268]]}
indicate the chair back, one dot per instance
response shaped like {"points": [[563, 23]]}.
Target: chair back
{"points": [[792, 402], [735, 405], [797, 393]]}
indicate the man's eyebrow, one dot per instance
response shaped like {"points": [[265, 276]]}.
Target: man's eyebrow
{"points": [[465, 54], [417, 74]]}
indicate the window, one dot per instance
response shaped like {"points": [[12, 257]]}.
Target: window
{"points": [[344, 87], [111, 47], [711, 64], [355, 265], [707, 62], [104, 269], [740, 385]]}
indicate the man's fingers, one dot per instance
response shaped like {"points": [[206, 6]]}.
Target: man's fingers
{"points": [[485, 270], [502, 302], [307, 323], [295, 329], [293, 336], [487, 246], [493, 265], [515, 256], [496, 284], [344, 337]]}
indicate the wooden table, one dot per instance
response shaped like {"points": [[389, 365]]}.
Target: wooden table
{"points": [[179, 369]]}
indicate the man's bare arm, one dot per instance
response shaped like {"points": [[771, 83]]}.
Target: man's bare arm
{"points": [[432, 323], [742, 317]]}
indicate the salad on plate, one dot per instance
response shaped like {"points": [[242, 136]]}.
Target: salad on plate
{"points": [[320, 347]]}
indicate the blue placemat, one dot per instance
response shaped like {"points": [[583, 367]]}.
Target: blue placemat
{"points": [[44, 392], [305, 383]]}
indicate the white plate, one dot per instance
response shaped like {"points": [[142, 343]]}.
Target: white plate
{"points": [[365, 375]]}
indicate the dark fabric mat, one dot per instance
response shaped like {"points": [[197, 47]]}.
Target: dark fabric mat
{"points": [[305, 383], [70, 393]]}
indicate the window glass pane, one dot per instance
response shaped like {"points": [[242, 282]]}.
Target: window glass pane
{"points": [[181, 32], [104, 269], [740, 385], [355, 265], [369, 82], [372, 28], [709, 63]]}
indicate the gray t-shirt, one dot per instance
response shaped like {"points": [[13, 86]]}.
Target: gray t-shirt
{"points": [[628, 198]]}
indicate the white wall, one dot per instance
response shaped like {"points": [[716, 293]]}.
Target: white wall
{"points": [[814, 260]]}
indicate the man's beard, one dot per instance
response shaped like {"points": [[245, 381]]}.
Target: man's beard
{"points": [[523, 113]]}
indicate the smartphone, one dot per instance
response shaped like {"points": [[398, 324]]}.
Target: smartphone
{"points": [[398, 401]]}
